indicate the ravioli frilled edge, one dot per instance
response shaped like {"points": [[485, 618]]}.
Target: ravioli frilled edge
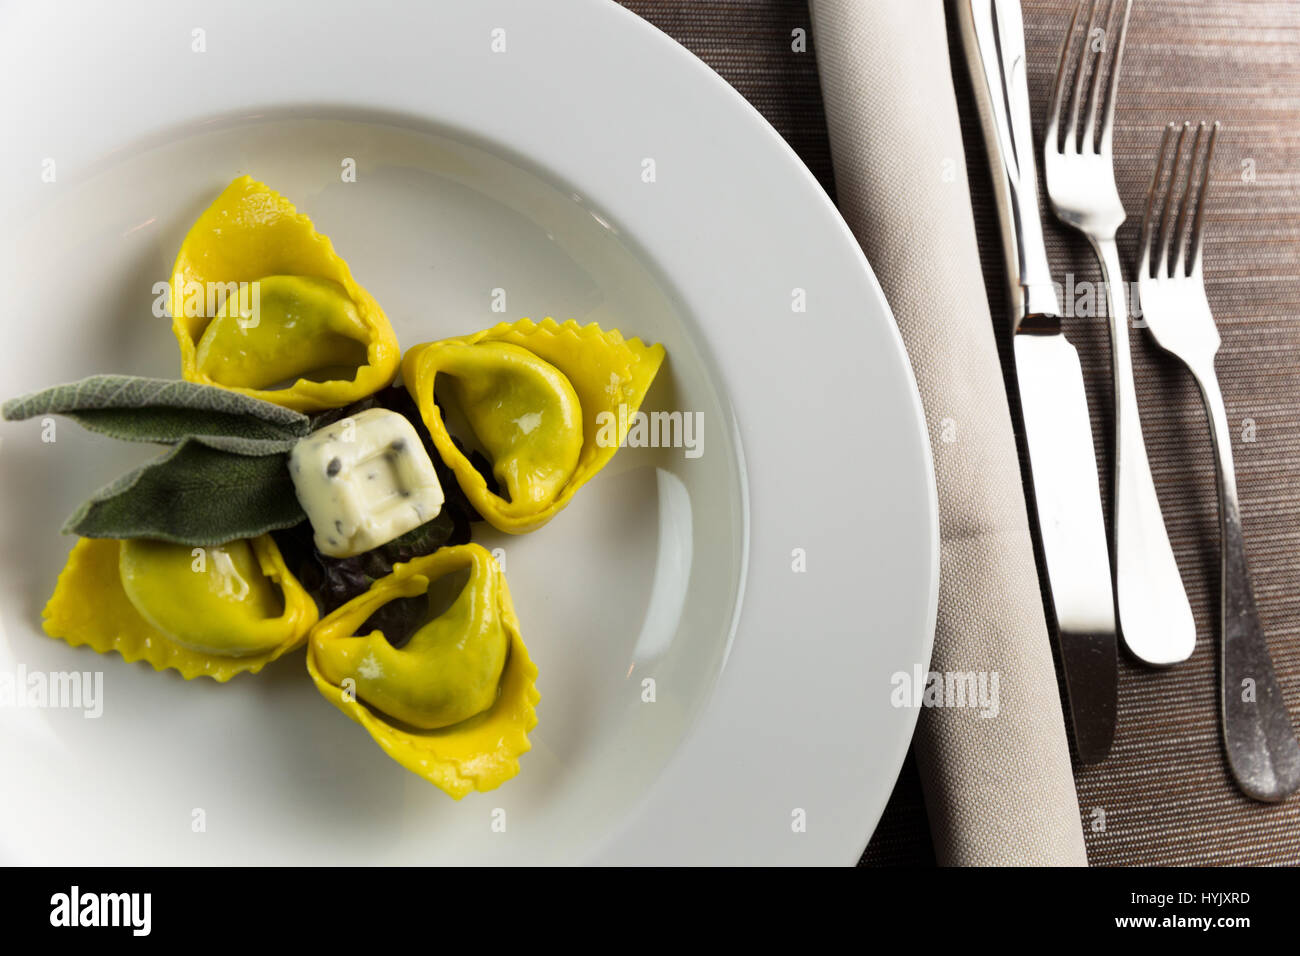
{"points": [[605, 370], [89, 606], [480, 753], [251, 232]]}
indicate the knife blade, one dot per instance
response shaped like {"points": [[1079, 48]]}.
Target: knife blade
{"points": [[1054, 407]]}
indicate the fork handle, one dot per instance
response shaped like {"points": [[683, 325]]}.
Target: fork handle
{"points": [[1257, 734], [1154, 614]]}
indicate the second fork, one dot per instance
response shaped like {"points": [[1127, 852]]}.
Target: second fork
{"points": [[1154, 615], [1260, 742]]}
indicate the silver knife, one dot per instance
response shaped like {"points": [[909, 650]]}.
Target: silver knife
{"points": [[1054, 408]]}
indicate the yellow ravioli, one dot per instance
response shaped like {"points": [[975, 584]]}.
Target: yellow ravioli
{"points": [[366, 677], [550, 403], [91, 606], [262, 304]]}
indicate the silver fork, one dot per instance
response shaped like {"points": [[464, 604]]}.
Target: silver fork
{"points": [[1154, 615], [1257, 733]]}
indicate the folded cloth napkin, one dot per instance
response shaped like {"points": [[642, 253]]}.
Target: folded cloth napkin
{"points": [[998, 789]]}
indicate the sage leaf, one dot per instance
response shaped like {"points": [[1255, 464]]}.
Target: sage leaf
{"points": [[250, 447], [199, 493], [165, 411]]}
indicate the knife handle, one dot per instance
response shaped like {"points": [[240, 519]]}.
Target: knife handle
{"points": [[994, 38]]}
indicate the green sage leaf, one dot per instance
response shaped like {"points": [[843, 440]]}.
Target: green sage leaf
{"points": [[161, 410], [199, 493]]}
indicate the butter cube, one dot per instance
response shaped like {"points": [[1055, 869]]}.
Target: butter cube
{"points": [[363, 481]]}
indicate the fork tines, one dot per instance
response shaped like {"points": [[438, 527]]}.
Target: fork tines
{"points": [[1181, 187], [1084, 57]]}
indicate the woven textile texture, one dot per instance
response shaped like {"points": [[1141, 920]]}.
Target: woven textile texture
{"points": [[903, 190]]}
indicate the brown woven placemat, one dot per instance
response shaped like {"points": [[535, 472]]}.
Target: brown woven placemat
{"points": [[1164, 796], [1165, 791]]}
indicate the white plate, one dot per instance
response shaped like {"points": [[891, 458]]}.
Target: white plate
{"points": [[480, 169]]}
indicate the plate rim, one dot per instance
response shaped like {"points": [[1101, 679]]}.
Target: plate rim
{"points": [[617, 25]]}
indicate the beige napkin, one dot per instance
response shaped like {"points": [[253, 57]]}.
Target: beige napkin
{"points": [[998, 790]]}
